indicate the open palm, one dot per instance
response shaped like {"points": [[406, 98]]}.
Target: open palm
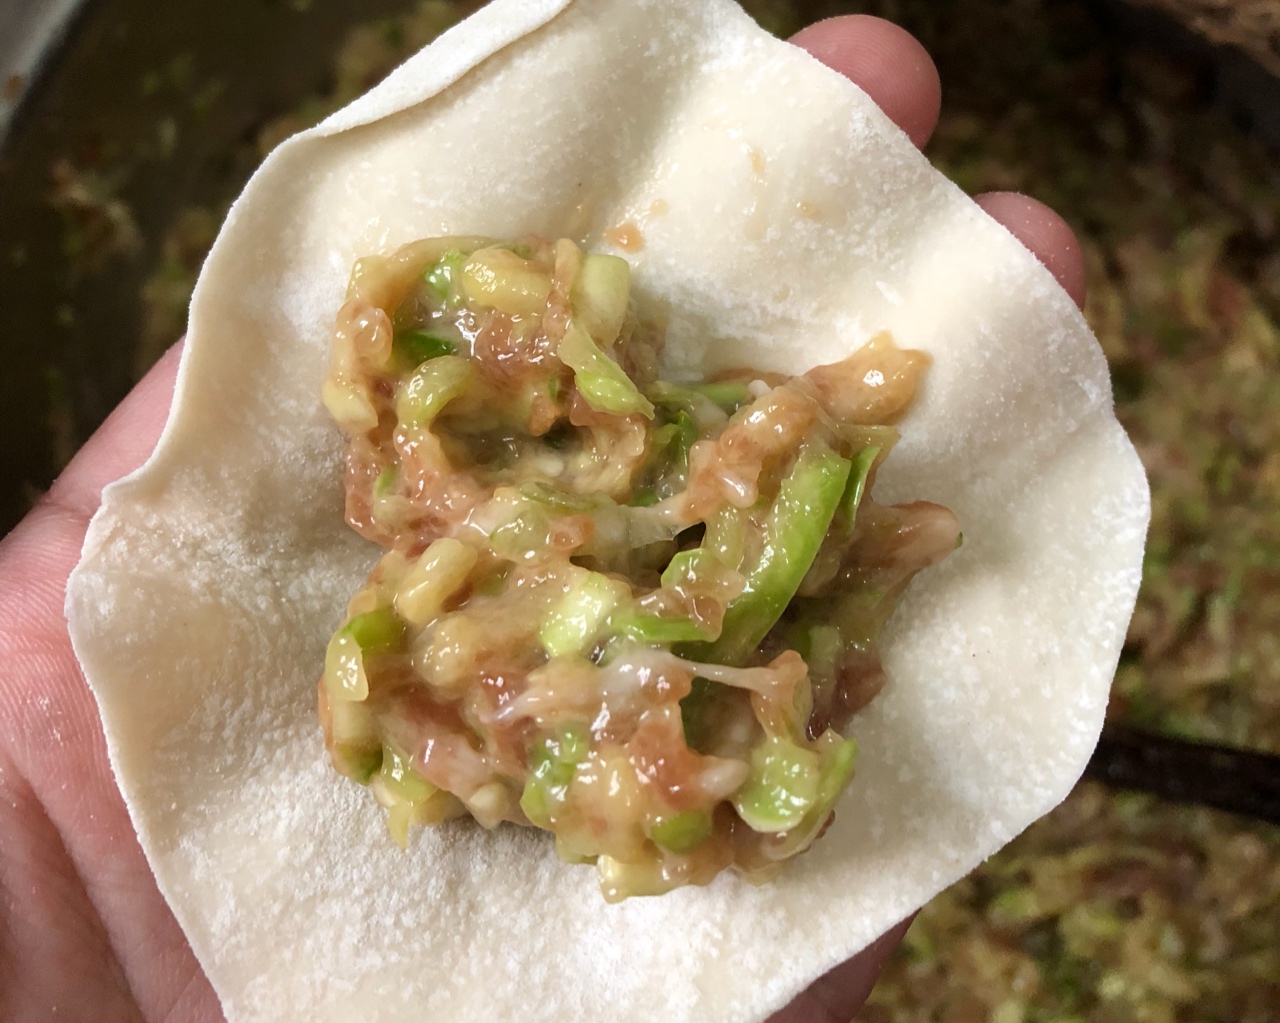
{"points": [[84, 932]]}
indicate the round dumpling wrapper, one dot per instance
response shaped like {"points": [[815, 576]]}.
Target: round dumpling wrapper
{"points": [[784, 221]]}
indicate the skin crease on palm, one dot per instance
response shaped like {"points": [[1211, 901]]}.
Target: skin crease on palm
{"points": [[84, 932]]}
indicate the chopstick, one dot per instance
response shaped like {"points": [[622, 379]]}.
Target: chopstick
{"points": [[1240, 781]]}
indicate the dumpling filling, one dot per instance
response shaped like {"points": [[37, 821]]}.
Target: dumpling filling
{"points": [[634, 613]]}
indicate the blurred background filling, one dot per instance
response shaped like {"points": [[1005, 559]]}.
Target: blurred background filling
{"points": [[1153, 126]]}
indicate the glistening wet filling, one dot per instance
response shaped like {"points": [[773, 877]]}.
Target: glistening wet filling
{"points": [[634, 613]]}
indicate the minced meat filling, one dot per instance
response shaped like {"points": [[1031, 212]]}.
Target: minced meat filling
{"points": [[631, 612]]}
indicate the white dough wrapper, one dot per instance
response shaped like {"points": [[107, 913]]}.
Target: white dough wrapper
{"points": [[785, 220]]}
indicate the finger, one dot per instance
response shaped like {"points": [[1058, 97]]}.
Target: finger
{"points": [[123, 442], [1046, 234], [50, 930], [839, 993], [50, 723], [38, 556], [886, 62]]}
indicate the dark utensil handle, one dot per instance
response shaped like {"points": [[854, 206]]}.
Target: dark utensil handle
{"points": [[1223, 777]]}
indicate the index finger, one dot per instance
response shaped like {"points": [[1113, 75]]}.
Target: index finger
{"points": [[886, 62], [840, 992], [891, 66]]}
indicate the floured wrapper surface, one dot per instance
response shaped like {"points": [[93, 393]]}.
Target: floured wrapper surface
{"points": [[784, 221]]}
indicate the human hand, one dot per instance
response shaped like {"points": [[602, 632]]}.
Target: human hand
{"points": [[84, 931]]}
